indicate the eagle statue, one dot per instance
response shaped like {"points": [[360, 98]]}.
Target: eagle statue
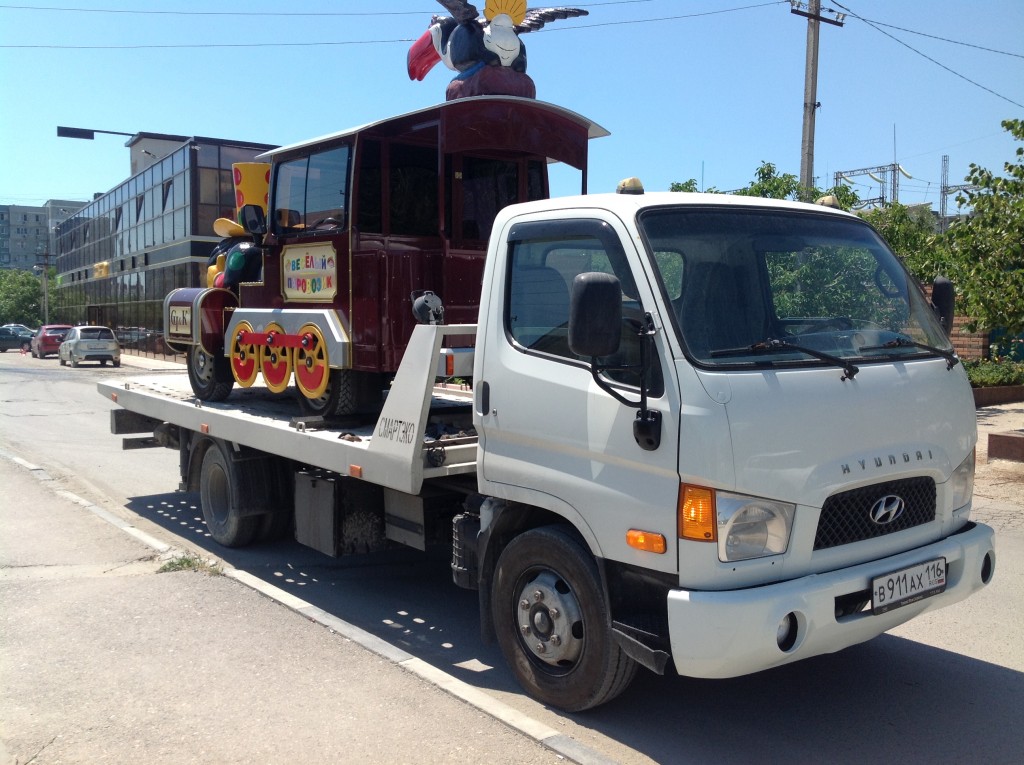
{"points": [[485, 51]]}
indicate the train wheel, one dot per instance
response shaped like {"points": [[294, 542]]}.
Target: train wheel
{"points": [[312, 367], [209, 376], [275, 362], [244, 357]]}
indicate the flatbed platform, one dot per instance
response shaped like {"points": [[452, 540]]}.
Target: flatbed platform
{"points": [[387, 451]]}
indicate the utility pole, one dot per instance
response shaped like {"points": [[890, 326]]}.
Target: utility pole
{"points": [[46, 282], [812, 12]]}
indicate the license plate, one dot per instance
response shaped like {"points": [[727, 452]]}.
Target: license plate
{"points": [[908, 585]]}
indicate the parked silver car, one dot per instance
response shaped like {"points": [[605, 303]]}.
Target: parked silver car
{"points": [[90, 344]]}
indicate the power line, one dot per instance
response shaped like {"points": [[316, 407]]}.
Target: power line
{"points": [[662, 18], [246, 14], [212, 45], [942, 39], [366, 42], [924, 55]]}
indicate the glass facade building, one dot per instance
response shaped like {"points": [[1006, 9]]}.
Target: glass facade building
{"points": [[122, 253]]}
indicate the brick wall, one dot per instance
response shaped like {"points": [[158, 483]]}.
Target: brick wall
{"points": [[968, 345]]}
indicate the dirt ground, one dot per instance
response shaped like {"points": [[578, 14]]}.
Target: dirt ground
{"points": [[999, 483]]}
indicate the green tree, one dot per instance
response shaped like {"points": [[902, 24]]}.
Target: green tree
{"points": [[910, 231], [20, 298], [770, 184], [984, 253], [691, 186]]}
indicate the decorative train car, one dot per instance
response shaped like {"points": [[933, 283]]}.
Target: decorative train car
{"points": [[355, 226]]}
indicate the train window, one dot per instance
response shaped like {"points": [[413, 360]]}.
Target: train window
{"points": [[413, 190], [312, 192]]}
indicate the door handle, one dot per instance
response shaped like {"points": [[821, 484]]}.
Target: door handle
{"points": [[483, 399]]}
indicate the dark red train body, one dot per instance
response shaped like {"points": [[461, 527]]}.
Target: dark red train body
{"points": [[361, 221]]}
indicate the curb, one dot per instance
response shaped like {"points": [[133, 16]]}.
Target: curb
{"points": [[560, 744]]}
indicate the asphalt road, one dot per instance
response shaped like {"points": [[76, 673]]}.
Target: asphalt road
{"points": [[948, 687]]}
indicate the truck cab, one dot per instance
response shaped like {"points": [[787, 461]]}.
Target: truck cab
{"points": [[802, 478]]}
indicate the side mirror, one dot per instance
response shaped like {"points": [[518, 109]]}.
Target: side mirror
{"points": [[253, 220], [944, 298], [595, 315]]}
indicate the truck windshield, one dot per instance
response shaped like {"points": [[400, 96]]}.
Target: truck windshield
{"points": [[816, 289]]}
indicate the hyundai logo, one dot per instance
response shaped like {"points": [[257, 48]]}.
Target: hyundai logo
{"points": [[887, 509]]}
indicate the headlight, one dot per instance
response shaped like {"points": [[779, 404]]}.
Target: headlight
{"points": [[749, 527], [961, 483]]}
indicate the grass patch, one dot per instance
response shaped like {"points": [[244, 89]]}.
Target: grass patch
{"points": [[190, 562]]}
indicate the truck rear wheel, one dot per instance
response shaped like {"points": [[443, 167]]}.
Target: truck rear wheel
{"points": [[209, 376], [220, 493], [553, 623]]}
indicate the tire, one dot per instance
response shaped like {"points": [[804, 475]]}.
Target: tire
{"points": [[220, 492], [74, 362], [274, 526], [209, 376], [553, 624], [103, 362], [63, 363], [117, 363], [338, 399], [279, 487]]}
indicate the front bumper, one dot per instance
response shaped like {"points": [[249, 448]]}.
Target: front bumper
{"points": [[733, 633]]}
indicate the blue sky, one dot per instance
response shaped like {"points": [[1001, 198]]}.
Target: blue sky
{"points": [[703, 89]]}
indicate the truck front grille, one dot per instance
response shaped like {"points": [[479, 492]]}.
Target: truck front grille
{"points": [[846, 517]]}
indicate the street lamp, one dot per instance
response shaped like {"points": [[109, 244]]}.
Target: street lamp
{"points": [[84, 133]]}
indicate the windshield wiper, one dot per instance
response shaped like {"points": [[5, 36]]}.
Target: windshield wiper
{"points": [[773, 345], [905, 342]]}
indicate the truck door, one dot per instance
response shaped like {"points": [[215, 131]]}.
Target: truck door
{"points": [[550, 436]]}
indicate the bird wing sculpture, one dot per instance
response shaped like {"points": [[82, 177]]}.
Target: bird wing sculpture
{"points": [[460, 10], [464, 41], [536, 18]]}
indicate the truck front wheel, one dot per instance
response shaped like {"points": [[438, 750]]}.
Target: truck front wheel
{"points": [[553, 623], [220, 494]]}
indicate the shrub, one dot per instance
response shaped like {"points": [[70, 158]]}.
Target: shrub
{"points": [[986, 373]]}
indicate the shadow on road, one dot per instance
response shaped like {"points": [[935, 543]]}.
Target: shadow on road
{"points": [[888, 700]]}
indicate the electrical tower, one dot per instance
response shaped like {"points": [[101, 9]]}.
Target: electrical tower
{"points": [[945, 190], [890, 177]]}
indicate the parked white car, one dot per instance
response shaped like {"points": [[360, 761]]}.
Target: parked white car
{"points": [[90, 344]]}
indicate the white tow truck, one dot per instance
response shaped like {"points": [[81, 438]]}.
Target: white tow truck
{"points": [[723, 432]]}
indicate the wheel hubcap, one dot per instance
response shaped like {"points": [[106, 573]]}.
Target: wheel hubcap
{"points": [[550, 620], [201, 364]]}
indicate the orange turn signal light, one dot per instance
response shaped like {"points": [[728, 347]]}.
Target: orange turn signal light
{"points": [[356, 471], [647, 541], [696, 513]]}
